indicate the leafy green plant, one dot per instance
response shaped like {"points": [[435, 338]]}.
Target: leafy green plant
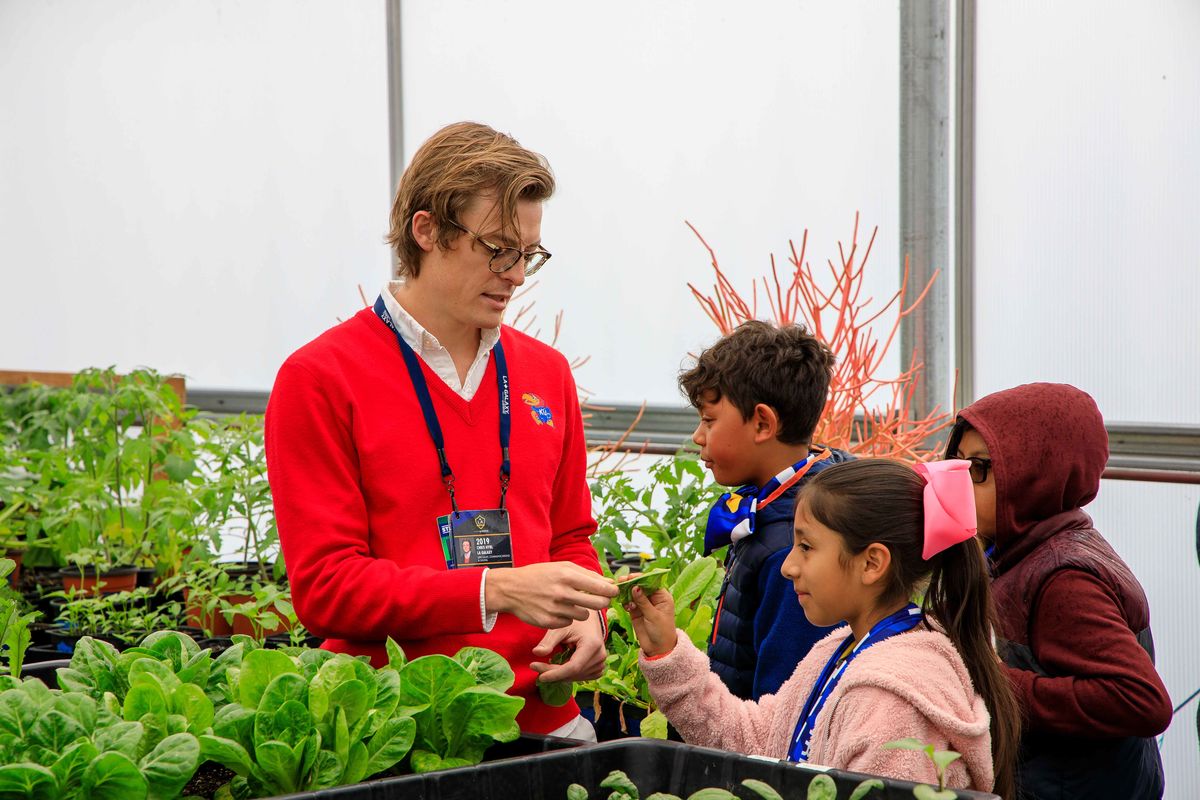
{"points": [[667, 507], [308, 722], [56, 744], [98, 669], [557, 693], [821, 787], [694, 587], [459, 705], [940, 758], [112, 464], [650, 580], [236, 498], [126, 616], [14, 623]]}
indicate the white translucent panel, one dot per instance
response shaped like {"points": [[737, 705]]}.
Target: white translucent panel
{"points": [[197, 187], [1153, 527], [751, 121], [1088, 189]]}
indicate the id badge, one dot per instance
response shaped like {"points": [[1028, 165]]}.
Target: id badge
{"points": [[479, 538]]}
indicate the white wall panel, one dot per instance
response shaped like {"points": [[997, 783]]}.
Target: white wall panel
{"points": [[752, 121], [1153, 527], [197, 187], [1088, 188]]}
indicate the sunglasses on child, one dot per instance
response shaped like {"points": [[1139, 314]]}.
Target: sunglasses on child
{"points": [[979, 469]]}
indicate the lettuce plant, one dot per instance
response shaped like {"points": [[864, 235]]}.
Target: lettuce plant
{"points": [[66, 745], [459, 705], [98, 668], [312, 721]]}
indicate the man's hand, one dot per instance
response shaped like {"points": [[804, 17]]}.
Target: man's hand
{"points": [[586, 663], [549, 595], [653, 619]]}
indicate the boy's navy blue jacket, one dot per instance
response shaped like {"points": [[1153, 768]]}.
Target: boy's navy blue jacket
{"points": [[761, 633]]}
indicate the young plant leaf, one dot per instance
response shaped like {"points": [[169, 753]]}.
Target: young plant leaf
{"points": [[822, 787], [619, 781], [866, 787], [763, 790], [650, 581]]}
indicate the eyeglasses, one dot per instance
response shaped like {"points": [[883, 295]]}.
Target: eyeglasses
{"points": [[979, 469], [505, 258]]}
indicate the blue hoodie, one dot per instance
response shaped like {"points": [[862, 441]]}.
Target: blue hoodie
{"points": [[761, 633]]}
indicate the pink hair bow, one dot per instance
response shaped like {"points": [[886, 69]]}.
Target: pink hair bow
{"points": [[949, 505]]}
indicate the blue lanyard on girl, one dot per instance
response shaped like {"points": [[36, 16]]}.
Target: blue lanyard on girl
{"points": [[903, 620], [421, 387]]}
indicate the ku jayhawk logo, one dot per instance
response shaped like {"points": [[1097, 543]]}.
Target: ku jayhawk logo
{"points": [[539, 411]]}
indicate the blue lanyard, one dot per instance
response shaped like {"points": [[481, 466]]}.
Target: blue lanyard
{"points": [[903, 620], [421, 387]]}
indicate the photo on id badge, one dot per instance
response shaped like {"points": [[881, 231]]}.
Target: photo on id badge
{"points": [[481, 538]]}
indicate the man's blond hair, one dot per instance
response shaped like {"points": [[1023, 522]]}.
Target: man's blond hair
{"points": [[455, 165]]}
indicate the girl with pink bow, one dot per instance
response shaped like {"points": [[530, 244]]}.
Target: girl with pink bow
{"points": [[890, 551]]}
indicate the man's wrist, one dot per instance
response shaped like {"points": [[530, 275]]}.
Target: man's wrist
{"points": [[494, 591]]}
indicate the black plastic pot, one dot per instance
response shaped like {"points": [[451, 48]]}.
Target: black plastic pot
{"points": [[46, 671], [40, 653], [615, 721], [654, 766]]}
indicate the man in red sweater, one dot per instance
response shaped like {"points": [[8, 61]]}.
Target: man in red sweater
{"points": [[395, 431]]}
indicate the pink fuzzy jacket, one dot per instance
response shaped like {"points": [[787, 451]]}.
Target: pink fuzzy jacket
{"points": [[914, 684]]}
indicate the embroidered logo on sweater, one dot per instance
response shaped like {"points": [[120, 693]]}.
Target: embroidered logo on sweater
{"points": [[538, 410]]}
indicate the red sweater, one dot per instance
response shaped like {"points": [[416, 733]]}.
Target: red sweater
{"points": [[357, 491]]}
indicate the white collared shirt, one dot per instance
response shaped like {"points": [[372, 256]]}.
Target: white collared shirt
{"points": [[431, 351]]}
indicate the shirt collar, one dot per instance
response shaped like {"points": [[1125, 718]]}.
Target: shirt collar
{"points": [[419, 339]]}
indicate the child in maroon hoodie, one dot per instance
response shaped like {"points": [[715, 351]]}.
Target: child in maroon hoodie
{"points": [[1079, 651]]}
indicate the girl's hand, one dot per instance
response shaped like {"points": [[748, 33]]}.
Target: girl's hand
{"points": [[653, 620]]}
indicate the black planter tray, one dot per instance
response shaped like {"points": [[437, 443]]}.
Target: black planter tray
{"points": [[653, 765]]}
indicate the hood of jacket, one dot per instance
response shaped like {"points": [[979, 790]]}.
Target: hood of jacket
{"points": [[1048, 448]]}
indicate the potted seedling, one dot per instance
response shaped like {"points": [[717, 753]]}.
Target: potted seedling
{"points": [[236, 498]]}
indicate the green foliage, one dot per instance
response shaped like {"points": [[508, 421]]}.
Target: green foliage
{"points": [[112, 466], [940, 758], [14, 625], [650, 580], [622, 788], [557, 693], [865, 788], [670, 510], [236, 498], [822, 787], [305, 722], [127, 616], [459, 706], [56, 744]]}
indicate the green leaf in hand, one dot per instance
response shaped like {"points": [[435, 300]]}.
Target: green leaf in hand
{"points": [[557, 693], [650, 580]]}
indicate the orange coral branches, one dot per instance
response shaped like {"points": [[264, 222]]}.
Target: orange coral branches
{"points": [[865, 413]]}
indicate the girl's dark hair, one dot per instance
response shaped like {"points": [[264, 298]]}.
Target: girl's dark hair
{"points": [[877, 500]]}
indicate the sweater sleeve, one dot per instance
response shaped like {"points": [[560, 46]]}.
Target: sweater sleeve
{"points": [[571, 521], [782, 634], [339, 589], [1101, 681], [702, 708]]}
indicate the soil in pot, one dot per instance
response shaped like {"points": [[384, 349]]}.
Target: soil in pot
{"points": [[210, 777]]}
